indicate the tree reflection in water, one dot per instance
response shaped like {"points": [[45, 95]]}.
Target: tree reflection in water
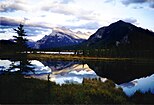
{"points": [[21, 65]]}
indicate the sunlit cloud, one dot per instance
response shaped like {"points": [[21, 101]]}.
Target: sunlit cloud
{"points": [[89, 26], [13, 5], [78, 15]]}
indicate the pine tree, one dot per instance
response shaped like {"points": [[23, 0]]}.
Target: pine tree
{"points": [[20, 38]]}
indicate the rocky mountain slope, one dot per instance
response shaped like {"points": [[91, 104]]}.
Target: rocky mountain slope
{"points": [[60, 37], [121, 33]]}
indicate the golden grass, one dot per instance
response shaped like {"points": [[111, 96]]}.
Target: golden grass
{"points": [[70, 57]]}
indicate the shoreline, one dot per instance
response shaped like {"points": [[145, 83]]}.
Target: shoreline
{"points": [[71, 57], [42, 56]]}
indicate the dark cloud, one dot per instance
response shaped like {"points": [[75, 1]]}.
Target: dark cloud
{"points": [[89, 26], [2, 31], [128, 2], [8, 22], [152, 5], [13, 22], [33, 29]]}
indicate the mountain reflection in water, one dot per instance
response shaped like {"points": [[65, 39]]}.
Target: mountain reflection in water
{"points": [[129, 75], [68, 72], [121, 71]]}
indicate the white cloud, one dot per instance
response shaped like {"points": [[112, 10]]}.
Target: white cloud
{"points": [[13, 5], [130, 20], [80, 13], [88, 26]]}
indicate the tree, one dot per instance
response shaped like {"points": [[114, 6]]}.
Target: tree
{"points": [[21, 45], [20, 38], [24, 66]]}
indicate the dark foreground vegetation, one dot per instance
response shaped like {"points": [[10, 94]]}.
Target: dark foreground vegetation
{"points": [[15, 89]]}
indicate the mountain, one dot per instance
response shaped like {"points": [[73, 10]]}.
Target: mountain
{"points": [[31, 43], [77, 35], [60, 37], [127, 70], [119, 34]]}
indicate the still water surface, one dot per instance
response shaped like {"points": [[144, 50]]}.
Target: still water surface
{"points": [[128, 75]]}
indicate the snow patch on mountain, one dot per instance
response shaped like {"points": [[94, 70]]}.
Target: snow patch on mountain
{"points": [[76, 35], [59, 37]]}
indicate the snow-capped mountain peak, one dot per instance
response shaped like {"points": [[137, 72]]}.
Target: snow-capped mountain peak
{"points": [[59, 37], [76, 35]]}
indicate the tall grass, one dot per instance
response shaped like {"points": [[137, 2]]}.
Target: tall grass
{"points": [[15, 89]]}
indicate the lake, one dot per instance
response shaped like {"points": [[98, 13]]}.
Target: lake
{"points": [[129, 75]]}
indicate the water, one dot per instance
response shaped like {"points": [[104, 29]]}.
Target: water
{"points": [[143, 84], [130, 76], [49, 52]]}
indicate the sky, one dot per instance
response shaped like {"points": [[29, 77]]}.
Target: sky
{"points": [[41, 16]]}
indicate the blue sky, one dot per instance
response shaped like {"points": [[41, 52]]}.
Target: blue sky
{"points": [[40, 16]]}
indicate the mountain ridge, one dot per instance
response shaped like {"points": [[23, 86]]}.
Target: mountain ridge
{"points": [[119, 33], [58, 38]]}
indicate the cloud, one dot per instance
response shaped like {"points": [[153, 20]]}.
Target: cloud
{"points": [[110, 1], [6, 21], [130, 20], [107, 1], [66, 1], [152, 5], [128, 2], [2, 31], [42, 15], [88, 26], [34, 31], [149, 2], [9, 22], [11, 6], [80, 13]]}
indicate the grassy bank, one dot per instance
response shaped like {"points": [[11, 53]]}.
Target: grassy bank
{"points": [[42, 56], [14, 89], [69, 57]]}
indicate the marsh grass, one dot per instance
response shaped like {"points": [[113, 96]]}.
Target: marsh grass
{"points": [[70, 57], [15, 89]]}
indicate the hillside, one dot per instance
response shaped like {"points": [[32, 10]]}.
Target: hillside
{"points": [[121, 34]]}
